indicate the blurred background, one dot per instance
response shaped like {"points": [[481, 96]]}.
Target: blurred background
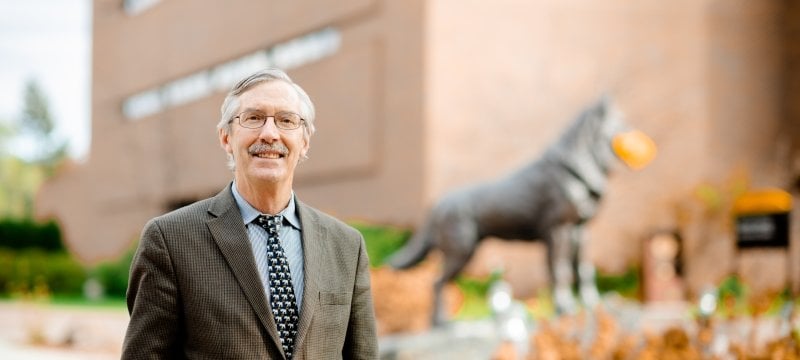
{"points": [[108, 114]]}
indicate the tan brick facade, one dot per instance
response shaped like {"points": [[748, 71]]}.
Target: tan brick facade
{"points": [[424, 96]]}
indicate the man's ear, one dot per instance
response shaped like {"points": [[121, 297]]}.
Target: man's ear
{"points": [[304, 151], [224, 141]]}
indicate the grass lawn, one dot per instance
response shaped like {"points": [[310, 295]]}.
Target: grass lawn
{"points": [[70, 301]]}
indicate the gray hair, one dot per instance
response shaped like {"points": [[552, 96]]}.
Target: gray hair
{"points": [[231, 103]]}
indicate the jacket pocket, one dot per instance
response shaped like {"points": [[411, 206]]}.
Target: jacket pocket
{"points": [[332, 298]]}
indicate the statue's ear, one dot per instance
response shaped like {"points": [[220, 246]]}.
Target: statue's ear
{"points": [[606, 99], [604, 105]]}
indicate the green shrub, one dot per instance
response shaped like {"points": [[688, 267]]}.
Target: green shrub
{"points": [[475, 290], [113, 275], [626, 284], [18, 234], [35, 272], [382, 241]]}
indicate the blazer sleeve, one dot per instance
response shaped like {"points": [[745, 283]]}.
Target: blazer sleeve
{"points": [[361, 341], [152, 298]]}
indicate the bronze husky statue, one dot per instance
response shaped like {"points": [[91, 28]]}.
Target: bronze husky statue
{"points": [[550, 199]]}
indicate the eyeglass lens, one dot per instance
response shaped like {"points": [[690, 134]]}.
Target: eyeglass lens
{"points": [[283, 120]]}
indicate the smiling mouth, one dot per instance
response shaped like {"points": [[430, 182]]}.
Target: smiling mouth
{"points": [[269, 155], [268, 151]]}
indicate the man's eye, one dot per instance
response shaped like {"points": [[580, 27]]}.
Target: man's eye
{"points": [[253, 118]]}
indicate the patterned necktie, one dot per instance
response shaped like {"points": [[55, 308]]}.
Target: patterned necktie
{"points": [[282, 301]]}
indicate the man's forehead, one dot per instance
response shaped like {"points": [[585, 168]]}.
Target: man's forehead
{"points": [[271, 91]]}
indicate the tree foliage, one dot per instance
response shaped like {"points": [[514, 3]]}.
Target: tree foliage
{"points": [[19, 182], [36, 123], [21, 176], [36, 117]]}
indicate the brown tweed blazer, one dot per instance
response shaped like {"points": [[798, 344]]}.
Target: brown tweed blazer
{"points": [[195, 292]]}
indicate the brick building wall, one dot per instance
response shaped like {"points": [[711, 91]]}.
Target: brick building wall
{"points": [[421, 97]]}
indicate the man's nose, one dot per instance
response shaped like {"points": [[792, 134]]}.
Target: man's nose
{"points": [[270, 131]]}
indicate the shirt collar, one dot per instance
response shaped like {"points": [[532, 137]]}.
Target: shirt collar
{"points": [[249, 213]]}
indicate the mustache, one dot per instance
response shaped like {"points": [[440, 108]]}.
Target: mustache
{"points": [[259, 148]]}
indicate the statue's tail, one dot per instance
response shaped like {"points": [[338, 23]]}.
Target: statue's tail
{"points": [[414, 251]]}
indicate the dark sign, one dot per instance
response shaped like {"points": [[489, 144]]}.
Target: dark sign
{"points": [[763, 230]]}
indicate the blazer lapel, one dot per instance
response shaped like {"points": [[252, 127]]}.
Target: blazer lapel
{"points": [[231, 238], [313, 236]]}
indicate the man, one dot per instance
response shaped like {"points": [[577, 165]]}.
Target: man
{"points": [[222, 279]]}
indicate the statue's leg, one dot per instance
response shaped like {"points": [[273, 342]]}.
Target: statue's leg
{"points": [[590, 296], [458, 241], [561, 274]]}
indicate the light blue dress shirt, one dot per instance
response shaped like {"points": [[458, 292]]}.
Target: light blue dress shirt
{"points": [[290, 238]]}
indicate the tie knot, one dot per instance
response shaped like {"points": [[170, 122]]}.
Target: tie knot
{"points": [[271, 223]]}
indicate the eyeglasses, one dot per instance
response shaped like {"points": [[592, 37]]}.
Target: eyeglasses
{"points": [[284, 120]]}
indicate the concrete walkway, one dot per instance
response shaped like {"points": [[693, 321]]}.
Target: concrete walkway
{"points": [[33, 330], [12, 351]]}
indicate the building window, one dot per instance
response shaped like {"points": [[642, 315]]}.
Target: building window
{"points": [[133, 7], [286, 55]]}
